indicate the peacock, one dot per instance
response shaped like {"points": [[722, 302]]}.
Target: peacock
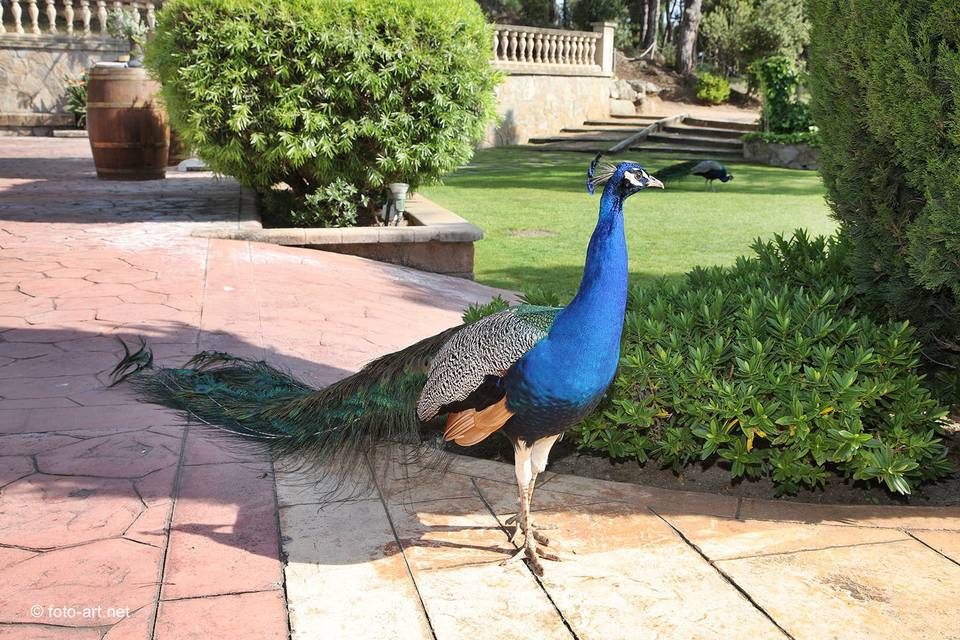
{"points": [[709, 169], [530, 372]]}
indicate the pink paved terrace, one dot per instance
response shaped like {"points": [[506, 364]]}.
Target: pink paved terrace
{"points": [[117, 521]]}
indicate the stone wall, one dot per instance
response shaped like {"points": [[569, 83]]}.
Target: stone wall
{"points": [[540, 105], [791, 156], [34, 70]]}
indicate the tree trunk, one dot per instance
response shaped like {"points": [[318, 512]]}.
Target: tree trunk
{"points": [[651, 27], [687, 40], [638, 21]]}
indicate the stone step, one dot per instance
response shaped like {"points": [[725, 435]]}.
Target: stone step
{"points": [[698, 151], [623, 121], [681, 139], [704, 131], [720, 124], [587, 136]]}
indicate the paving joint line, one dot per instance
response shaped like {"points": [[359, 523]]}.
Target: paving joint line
{"points": [[403, 553], [281, 556], [175, 494], [563, 618], [723, 574], [932, 548]]}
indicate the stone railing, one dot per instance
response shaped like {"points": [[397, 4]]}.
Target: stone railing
{"points": [[534, 50], [69, 17]]}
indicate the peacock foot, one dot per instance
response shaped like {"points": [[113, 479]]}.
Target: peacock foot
{"points": [[535, 531], [532, 554]]}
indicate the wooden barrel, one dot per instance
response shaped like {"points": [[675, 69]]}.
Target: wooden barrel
{"points": [[126, 124]]}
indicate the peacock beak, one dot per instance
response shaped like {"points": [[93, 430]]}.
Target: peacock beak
{"points": [[653, 182]]}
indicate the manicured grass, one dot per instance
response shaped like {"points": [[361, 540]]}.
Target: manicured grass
{"points": [[537, 217]]}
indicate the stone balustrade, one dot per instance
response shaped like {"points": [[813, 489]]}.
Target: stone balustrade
{"points": [[69, 17], [520, 49]]}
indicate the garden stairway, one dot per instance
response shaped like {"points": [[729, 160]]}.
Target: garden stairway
{"points": [[682, 135]]}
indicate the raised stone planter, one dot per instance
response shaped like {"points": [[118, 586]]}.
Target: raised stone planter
{"points": [[791, 156], [435, 239]]}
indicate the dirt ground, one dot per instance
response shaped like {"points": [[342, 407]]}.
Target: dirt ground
{"points": [[678, 97], [715, 477]]}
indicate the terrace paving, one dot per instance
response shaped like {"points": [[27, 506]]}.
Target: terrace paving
{"points": [[117, 520]]}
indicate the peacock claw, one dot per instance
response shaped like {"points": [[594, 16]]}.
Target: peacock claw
{"points": [[532, 554]]}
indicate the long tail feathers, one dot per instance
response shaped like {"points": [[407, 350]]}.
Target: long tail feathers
{"points": [[675, 171], [331, 432]]}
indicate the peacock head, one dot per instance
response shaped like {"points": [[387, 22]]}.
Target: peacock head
{"points": [[626, 177]]}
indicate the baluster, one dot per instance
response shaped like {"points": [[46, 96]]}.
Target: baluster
{"points": [[496, 45], [51, 16], [102, 16], [564, 49], [151, 17], [554, 49], [16, 12], [3, 29], [68, 15], [135, 12], [592, 51], [513, 46], [538, 48], [85, 16], [34, 14], [522, 47], [580, 48]]}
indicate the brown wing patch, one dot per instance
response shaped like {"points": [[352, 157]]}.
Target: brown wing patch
{"points": [[471, 426]]}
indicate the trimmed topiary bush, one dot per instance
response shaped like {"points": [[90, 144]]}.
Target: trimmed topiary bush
{"points": [[711, 88], [885, 77], [770, 367], [334, 98]]}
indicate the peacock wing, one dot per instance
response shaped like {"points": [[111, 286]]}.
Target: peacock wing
{"points": [[463, 378]]}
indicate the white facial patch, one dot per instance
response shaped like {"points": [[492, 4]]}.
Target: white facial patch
{"points": [[632, 179]]}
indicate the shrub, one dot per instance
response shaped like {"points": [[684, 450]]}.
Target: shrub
{"points": [[711, 88], [77, 99], [885, 77], [586, 12], [770, 367], [810, 138], [778, 79], [318, 94]]}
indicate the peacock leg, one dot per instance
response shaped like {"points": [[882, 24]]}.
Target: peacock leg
{"points": [[524, 466]]}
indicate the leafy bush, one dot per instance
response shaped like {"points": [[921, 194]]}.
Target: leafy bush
{"points": [[782, 112], [77, 99], [586, 12], [734, 33], [479, 310], [885, 77], [318, 94], [810, 138], [711, 88], [770, 366]]}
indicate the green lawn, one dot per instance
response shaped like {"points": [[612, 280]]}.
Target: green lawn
{"points": [[537, 217]]}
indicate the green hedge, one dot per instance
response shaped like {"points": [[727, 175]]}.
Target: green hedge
{"points": [[334, 98], [770, 367], [885, 78], [809, 138]]}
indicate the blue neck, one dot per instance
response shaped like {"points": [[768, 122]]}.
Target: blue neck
{"points": [[593, 321]]}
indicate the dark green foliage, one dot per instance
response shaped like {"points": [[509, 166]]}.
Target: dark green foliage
{"points": [[586, 12], [782, 112], [885, 78], [711, 88], [77, 99], [326, 95], [770, 367], [734, 33], [809, 138]]}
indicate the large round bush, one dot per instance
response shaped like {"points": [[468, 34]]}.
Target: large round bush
{"points": [[334, 98]]}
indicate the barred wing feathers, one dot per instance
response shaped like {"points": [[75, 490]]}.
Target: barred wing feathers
{"points": [[463, 378]]}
